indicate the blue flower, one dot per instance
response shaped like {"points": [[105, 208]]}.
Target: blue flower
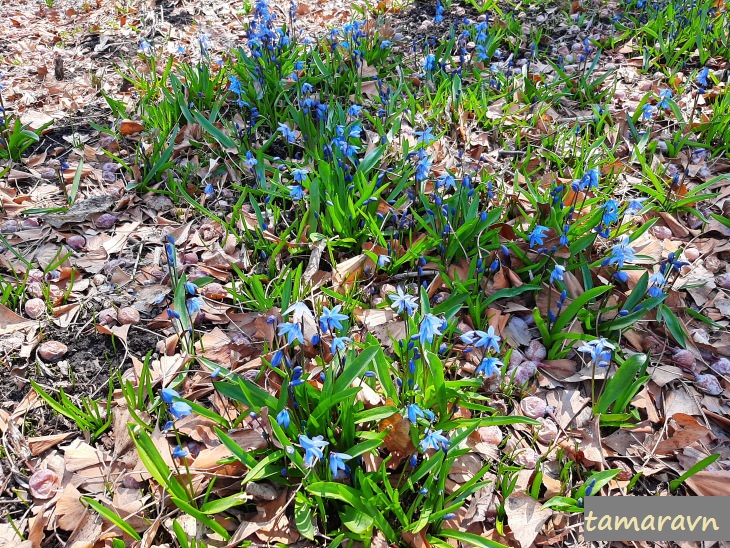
{"points": [[194, 304], [204, 41], [413, 412], [610, 212], [489, 366], [235, 86], [557, 273], [423, 168], [307, 88], [446, 181], [702, 77], [354, 111], [339, 343], [296, 377], [439, 12], [337, 462], [664, 96], [621, 253], [170, 252], [383, 260], [179, 452], [250, 160], [312, 448], [209, 190], [180, 409], [385, 44], [600, 351], [621, 276], [434, 440], [657, 281], [425, 137], [300, 175], [145, 47], [292, 331], [647, 112], [168, 394], [287, 133], [635, 206], [403, 301], [277, 358], [429, 328], [296, 192], [330, 319], [537, 236], [298, 310], [283, 419], [482, 339], [430, 62]]}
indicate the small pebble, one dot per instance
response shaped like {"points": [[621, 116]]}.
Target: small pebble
{"points": [[533, 407], [128, 315], [691, 254], [490, 434], [76, 242], [35, 308], [527, 458], [708, 384], [536, 352], [662, 232], [547, 431], [52, 351], [107, 220], [28, 224], [722, 366], [108, 316], [723, 280], [685, 358], [523, 372]]}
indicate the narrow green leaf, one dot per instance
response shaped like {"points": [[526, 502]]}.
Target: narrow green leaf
{"points": [[704, 463], [112, 516]]}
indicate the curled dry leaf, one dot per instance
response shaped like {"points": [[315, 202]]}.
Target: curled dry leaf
{"points": [[130, 127]]}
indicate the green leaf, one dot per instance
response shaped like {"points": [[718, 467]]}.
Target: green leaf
{"points": [[303, 516], [75, 184], [673, 324], [238, 452], [356, 367], [337, 491], [201, 517], [154, 463], [576, 306], [622, 380], [510, 292], [112, 516], [704, 463], [221, 505], [217, 134], [356, 521], [721, 219], [254, 396]]}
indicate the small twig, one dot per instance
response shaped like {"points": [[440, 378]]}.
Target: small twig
{"points": [[414, 274]]}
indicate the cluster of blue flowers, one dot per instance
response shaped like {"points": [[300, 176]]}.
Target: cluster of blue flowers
{"points": [[488, 341]]}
